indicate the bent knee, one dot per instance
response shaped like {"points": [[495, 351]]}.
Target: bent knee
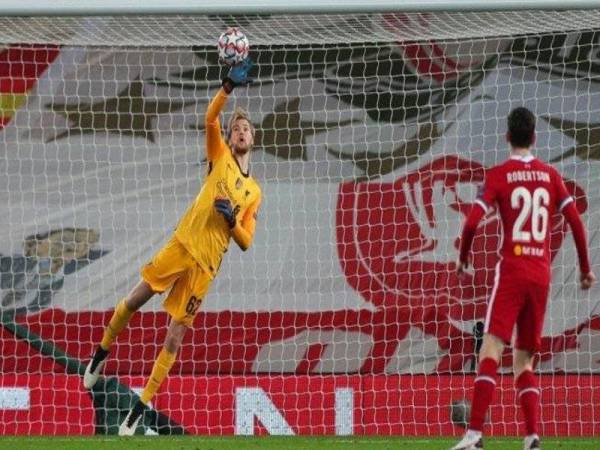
{"points": [[175, 335], [139, 295], [522, 362]]}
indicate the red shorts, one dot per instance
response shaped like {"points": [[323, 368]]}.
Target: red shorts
{"points": [[521, 302]]}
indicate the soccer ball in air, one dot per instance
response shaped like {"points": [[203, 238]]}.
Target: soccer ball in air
{"points": [[233, 46]]}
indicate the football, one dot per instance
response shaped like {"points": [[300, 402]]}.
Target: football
{"points": [[233, 46], [460, 412]]}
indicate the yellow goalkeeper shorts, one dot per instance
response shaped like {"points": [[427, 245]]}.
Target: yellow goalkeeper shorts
{"points": [[173, 267]]}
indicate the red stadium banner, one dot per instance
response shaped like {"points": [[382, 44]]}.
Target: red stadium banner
{"points": [[407, 405], [232, 342]]}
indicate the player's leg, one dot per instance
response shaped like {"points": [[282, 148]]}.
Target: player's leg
{"points": [[157, 276], [160, 370], [529, 337], [503, 309], [528, 394], [483, 393], [182, 305], [138, 296], [485, 382]]}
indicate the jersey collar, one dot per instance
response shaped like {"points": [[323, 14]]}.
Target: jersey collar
{"points": [[524, 158], [244, 174]]}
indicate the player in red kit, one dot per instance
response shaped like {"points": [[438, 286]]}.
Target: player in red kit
{"points": [[526, 193]]}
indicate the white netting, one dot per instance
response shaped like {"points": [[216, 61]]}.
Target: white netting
{"points": [[290, 29], [373, 133]]}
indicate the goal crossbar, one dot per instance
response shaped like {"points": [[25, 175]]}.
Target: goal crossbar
{"points": [[302, 29], [149, 7]]}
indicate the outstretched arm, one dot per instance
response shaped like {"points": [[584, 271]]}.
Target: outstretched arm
{"points": [[215, 145], [237, 76], [243, 232]]}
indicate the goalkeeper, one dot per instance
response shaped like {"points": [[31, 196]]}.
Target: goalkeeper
{"points": [[225, 208]]}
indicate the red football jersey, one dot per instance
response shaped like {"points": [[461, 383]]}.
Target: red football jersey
{"points": [[526, 192]]}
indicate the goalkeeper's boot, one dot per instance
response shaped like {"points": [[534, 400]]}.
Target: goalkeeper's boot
{"points": [[130, 423], [94, 367], [532, 442], [472, 440]]}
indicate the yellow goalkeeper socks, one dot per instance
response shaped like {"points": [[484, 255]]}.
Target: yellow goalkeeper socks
{"points": [[161, 369], [118, 321]]}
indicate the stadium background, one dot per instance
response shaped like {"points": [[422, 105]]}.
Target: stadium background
{"points": [[369, 157]]}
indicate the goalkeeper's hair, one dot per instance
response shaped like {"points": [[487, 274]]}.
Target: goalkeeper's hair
{"points": [[238, 114], [521, 127]]}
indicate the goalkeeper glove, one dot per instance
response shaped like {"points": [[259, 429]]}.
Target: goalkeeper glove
{"points": [[238, 75], [223, 206]]}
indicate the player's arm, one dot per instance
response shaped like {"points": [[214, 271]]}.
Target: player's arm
{"points": [[467, 235], [567, 206], [485, 200], [215, 145], [237, 76], [243, 231]]}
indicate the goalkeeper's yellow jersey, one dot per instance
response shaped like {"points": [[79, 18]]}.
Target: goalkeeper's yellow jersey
{"points": [[202, 230]]}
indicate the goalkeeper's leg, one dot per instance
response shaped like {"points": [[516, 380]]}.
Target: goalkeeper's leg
{"points": [[119, 320], [160, 370]]}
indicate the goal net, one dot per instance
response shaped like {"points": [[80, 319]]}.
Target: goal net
{"points": [[374, 132]]}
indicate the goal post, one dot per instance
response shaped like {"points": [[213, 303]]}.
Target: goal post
{"points": [[375, 125]]}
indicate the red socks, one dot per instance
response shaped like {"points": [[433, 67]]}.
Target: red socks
{"points": [[529, 398], [485, 385]]}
